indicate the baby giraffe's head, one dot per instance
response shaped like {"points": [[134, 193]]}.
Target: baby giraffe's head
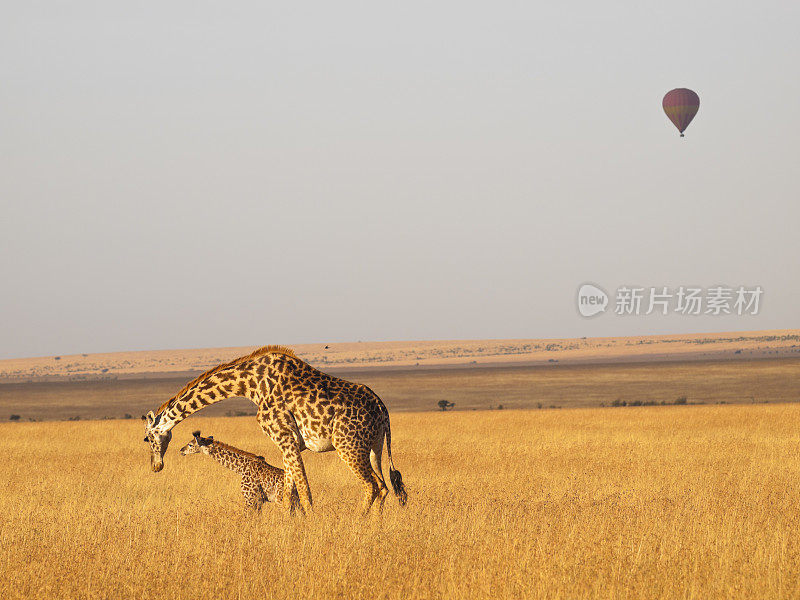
{"points": [[198, 445]]}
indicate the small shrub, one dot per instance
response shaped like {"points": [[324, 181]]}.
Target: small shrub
{"points": [[681, 400], [14, 418], [127, 416]]}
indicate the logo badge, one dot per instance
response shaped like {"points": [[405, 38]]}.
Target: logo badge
{"points": [[592, 300]]}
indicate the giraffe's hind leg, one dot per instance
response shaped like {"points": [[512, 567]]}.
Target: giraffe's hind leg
{"points": [[375, 459], [358, 459]]}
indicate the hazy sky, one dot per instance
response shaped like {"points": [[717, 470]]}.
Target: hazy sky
{"points": [[183, 174]]}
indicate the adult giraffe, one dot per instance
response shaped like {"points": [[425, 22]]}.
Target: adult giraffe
{"points": [[299, 407]]}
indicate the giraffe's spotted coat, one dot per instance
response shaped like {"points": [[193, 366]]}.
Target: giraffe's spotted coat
{"points": [[261, 482], [299, 407]]}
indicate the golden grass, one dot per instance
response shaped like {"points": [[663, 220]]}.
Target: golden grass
{"points": [[657, 502]]}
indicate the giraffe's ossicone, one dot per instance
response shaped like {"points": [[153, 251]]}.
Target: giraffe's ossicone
{"points": [[299, 407]]}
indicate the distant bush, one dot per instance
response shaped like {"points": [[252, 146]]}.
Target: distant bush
{"points": [[619, 402], [75, 418], [635, 403], [127, 416], [57, 358], [444, 404], [499, 407], [14, 418], [239, 413], [680, 400]]}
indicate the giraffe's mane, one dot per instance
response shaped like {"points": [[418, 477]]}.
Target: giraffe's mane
{"points": [[235, 450], [286, 351]]}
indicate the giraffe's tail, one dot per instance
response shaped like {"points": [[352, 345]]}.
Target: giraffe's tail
{"points": [[394, 475]]}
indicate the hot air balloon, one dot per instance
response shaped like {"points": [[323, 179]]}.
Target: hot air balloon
{"points": [[681, 106]]}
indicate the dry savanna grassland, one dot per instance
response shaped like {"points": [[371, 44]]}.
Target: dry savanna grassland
{"points": [[418, 354], [645, 502], [476, 388]]}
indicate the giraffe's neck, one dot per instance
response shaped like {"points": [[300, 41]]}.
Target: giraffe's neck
{"points": [[229, 457], [248, 380]]}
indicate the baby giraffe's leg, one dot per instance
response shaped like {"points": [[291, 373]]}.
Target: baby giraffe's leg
{"points": [[252, 494]]}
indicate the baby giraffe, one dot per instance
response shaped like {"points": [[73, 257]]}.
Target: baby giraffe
{"points": [[261, 482]]}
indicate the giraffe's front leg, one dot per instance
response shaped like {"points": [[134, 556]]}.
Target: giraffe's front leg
{"points": [[295, 483], [280, 428]]}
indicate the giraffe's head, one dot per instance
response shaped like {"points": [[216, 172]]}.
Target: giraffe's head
{"points": [[198, 445], [158, 440]]}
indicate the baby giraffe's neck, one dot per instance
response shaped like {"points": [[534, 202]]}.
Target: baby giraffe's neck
{"points": [[228, 457]]}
